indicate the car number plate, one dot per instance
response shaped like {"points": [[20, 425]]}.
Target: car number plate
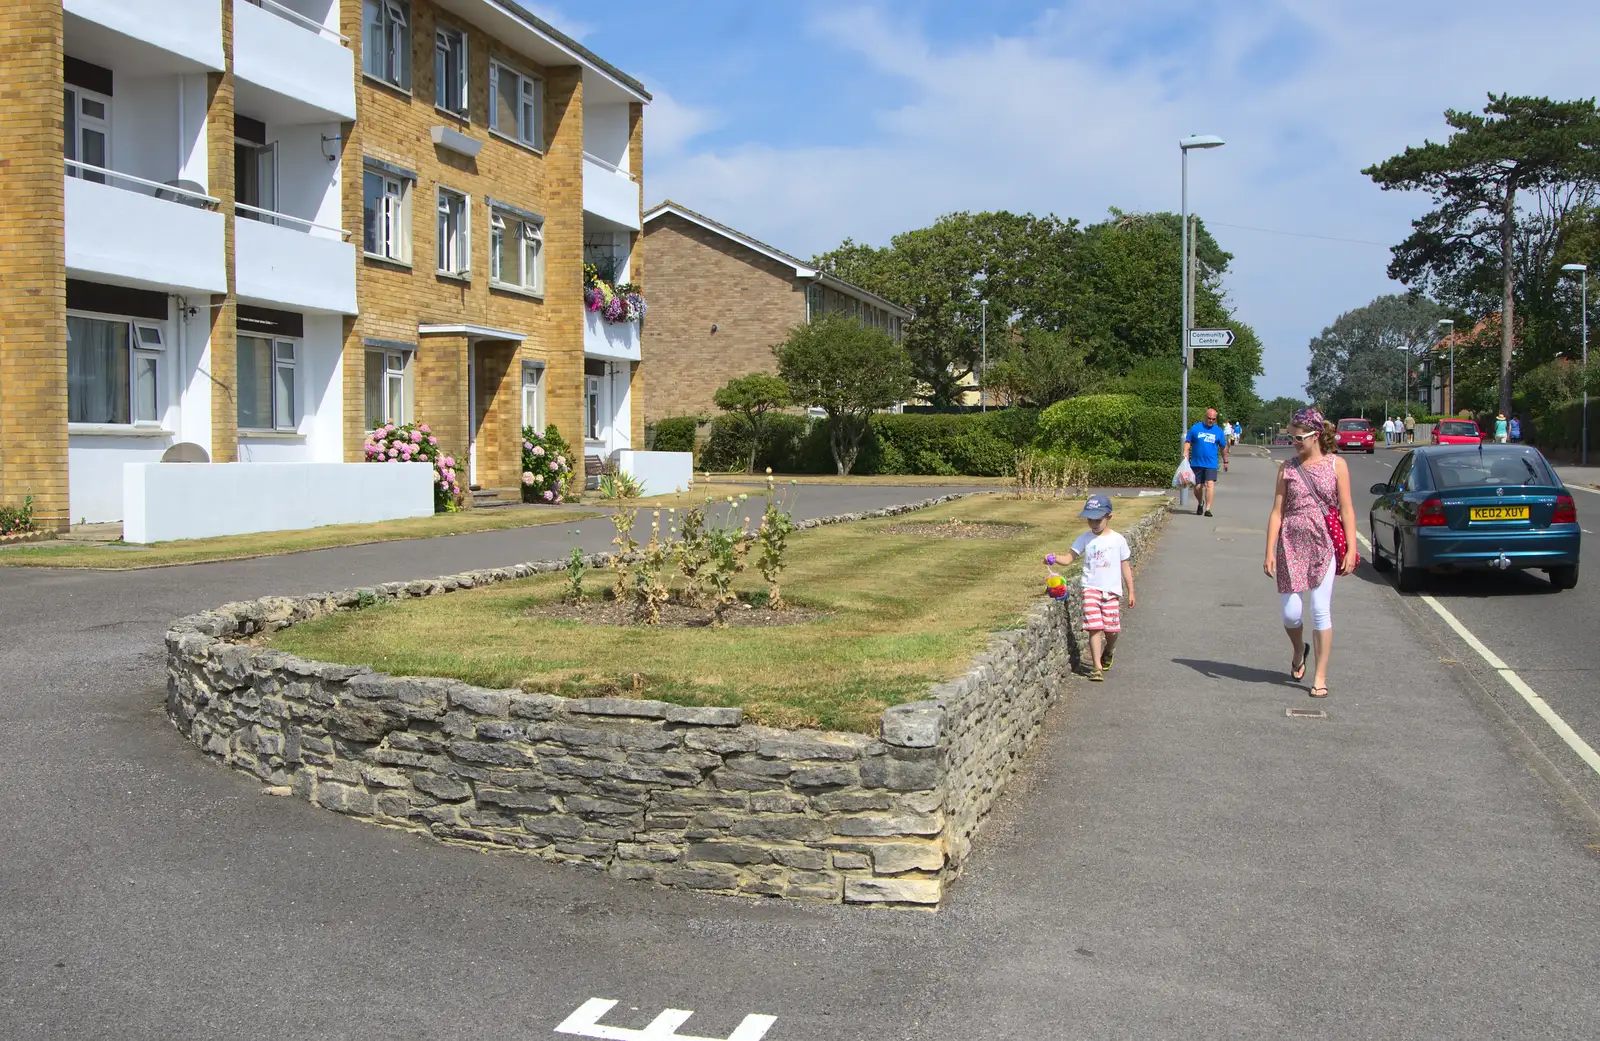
{"points": [[1499, 513]]}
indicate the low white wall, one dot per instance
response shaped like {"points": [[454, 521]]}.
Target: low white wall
{"points": [[94, 471], [166, 501], [660, 472]]}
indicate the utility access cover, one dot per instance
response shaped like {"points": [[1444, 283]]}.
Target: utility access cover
{"points": [[1305, 713]]}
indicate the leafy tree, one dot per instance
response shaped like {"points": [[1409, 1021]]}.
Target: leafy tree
{"points": [[1360, 360], [1272, 416], [1040, 367], [944, 272], [1520, 148], [847, 369], [752, 397]]}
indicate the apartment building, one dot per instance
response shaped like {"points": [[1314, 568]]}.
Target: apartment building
{"points": [[721, 299], [263, 227]]}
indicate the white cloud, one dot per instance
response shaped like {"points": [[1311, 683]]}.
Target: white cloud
{"points": [[1082, 110], [575, 29], [670, 125]]}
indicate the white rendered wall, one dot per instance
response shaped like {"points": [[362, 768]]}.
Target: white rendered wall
{"points": [[661, 472], [191, 29], [94, 472], [605, 132], [166, 501]]}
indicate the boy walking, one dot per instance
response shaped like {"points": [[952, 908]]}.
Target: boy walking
{"points": [[1106, 573]]}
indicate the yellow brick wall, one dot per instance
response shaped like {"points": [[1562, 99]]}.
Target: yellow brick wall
{"points": [[33, 287], [224, 308], [698, 279], [394, 126]]}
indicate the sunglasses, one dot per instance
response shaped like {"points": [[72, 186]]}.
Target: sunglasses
{"points": [[1303, 438]]}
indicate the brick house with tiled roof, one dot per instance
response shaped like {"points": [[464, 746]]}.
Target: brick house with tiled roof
{"points": [[720, 300]]}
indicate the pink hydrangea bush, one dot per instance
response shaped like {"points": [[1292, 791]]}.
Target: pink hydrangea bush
{"points": [[546, 466], [416, 443]]}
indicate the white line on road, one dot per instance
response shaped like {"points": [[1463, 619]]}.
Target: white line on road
{"points": [[1535, 702], [1581, 488], [585, 1022]]}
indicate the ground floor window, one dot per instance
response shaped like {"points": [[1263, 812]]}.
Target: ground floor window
{"points": [[114, 370], [532, 403], [592, 424], [267, 383], [386, 387]]}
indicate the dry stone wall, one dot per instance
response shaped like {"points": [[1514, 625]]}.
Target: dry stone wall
{"points": [[681, 796]]}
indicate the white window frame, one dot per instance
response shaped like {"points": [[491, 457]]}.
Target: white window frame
{"points": [[450, 44], [81, 123], [529, 107], [276, 345], [593, 394], [393, 214], [453, 248], [142, 332], [529, 237], [533, 396], [390, 61], [396, 377]]}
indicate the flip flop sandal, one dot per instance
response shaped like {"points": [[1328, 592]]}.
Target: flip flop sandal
{"points": [[1316, 695], [1097, 676], [1299, 674], [1105, 662]]}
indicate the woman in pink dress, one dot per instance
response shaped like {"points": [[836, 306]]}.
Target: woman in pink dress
{"points": [[1300, 552]]}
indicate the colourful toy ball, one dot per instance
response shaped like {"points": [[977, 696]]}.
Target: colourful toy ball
{"points": [[1055, 582], [1057, 592]]}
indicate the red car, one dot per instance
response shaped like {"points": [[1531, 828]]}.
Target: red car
{"points": [[1457, 432], [1355, 435]]}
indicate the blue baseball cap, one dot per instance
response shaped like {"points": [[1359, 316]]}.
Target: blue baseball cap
{"points": [[1098, 506]]}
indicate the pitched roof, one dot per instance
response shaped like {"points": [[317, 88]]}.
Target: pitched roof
{"points": [[563, 43], [802, 269]]}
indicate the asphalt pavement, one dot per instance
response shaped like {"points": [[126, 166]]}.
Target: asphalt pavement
{"points": [[1179, 858]]}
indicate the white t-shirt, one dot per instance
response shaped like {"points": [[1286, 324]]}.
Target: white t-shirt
{"points": [[1102, 560]]}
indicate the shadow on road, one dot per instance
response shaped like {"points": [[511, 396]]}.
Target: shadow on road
{"points": [[1243, 673], [1484, 585]]}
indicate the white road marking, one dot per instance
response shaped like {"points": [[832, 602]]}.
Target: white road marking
{"points": [[1515, 682], [585, 1022], [1584, 488]]}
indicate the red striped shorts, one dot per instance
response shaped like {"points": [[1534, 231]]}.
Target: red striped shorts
{"points": [[1102, 611]]}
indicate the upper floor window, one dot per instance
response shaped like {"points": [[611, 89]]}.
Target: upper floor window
{"points": [[386, 35], [267, 399], [455, 249], [450, 70], [86, 132], [813, 302], [113, 370], [386, 209], [515, 101], [516, 252]]}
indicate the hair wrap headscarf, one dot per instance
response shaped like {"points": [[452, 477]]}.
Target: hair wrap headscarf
{"points": [[1309, 417]]}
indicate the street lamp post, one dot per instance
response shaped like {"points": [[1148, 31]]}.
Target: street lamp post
{"points": [[983, 366], [1192, 141], [1583, 271], [1451, 332]]}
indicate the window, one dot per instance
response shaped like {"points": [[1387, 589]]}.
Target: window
{"points": [[514, 105], [516, 252], [386, 35], [813, 302], [86, 132], [532, 376], [386, 211], [591, 407], [256, 178], [450, 70], [386, 387], [455, 244], [113, 371], [267, 398]]}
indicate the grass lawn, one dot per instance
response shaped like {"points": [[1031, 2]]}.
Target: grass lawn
{"points": [[900, 612], [118, 556], [713, 481]]}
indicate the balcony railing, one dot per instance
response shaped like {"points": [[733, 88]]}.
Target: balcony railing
{"points": [[284, 220], [299, 19], [171, 191]]}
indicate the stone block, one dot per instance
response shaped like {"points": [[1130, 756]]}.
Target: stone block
{"points": [[449, 789], [722, 852], [591, 806], [341, 798], [538, 707], [587, 850], [852, 862], [638, 737], [698, 800], [853, 801], [888, 825], [651, 851], [495, 754], [632, 870], [554, 825], [801, 858], [894, 858], [705, 715], [497, 730], [721, 742], [792, 829], [793, 746], [708, 877], [540, 802], [923, 891], [832, 775], [626, 707], [381, 777], [916, 725], [777, 802], [899, 775]]}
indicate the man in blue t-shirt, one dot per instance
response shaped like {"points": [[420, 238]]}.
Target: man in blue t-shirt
{"points": [[1203, 446]]}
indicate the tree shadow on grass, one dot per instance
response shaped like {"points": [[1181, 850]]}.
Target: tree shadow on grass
{"points": [[1222, 670]]}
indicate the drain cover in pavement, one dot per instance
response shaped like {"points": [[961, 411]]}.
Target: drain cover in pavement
{"points": [[1305, 713]]}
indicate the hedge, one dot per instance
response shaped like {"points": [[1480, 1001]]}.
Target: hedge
{"points": [[676, 433]]}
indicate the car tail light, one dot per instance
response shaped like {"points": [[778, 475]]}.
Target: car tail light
{"points": [[1566, 510], [1431, 515]]}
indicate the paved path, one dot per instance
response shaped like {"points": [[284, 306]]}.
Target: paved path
{"points": [[1179, 860]]}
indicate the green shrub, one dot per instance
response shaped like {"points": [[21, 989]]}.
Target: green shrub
{"points": [[1092, 425], [1124, 473], [17, 520], [1155, 435], [675, 433]]}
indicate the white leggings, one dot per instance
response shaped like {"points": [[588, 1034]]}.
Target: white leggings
{"points": [[1321, 604]]}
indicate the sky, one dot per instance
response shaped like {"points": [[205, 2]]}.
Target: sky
{"points": [[803, 123]]}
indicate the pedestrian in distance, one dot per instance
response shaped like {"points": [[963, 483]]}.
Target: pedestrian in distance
{"points": [[1107, 577], [1205, 447], [1515, 428], [1388, 433], [1301, 542], [1501, 430], [1411, 429]]}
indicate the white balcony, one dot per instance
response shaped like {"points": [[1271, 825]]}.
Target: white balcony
{"points": [[617, 341], [132, 232], [188, 30], [609, 193], [292, 263], [290, 68]]}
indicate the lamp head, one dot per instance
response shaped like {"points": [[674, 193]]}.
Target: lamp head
{"points": [[1200, 141], [1447, 321], [1574, 267]]}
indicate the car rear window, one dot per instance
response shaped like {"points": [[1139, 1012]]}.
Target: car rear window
{"points": [[1491, 468], [1354, 424], [1459, 428]]}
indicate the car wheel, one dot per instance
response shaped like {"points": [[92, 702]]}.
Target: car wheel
{"points": [[1379, 561], [1563, 577], [1406, 579]]}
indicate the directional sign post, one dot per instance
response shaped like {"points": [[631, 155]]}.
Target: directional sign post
{"points": [[1210, 338]]}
